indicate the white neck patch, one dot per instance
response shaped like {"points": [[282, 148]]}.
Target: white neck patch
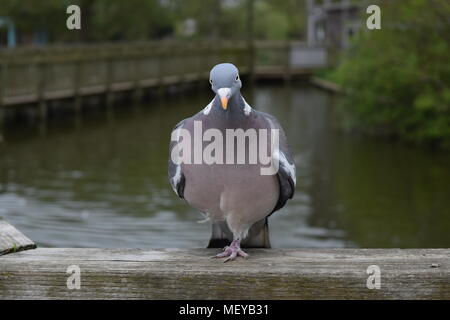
{"points": [[247, 108], [207, 109]]}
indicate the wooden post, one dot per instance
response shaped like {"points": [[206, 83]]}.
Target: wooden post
{"points": [[42, 79], [3, 71], [161, 73], [287, 71], [2, 90], [43, 114], [109, 81], [109, 89], [42, 103], [137, 94], [202, 76], [2, 122], [137, 90], [77, 82]]}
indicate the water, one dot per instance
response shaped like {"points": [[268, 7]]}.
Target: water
{"points": [[104, 183]]}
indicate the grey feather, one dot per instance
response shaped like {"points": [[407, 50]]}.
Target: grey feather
{"points": [[287, 183], [177, 185]]}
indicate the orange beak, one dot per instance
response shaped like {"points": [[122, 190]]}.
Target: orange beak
{"points": [[224, 102], [224, 94]]}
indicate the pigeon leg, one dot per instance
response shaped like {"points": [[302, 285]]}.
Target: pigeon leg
{"points": [[232, 251]]}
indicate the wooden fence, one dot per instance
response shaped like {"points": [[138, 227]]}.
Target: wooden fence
{"points": [[285, 59], [55, 73], [50, 73]]}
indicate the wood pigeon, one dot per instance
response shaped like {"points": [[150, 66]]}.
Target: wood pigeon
{"points": [[229, 189]]}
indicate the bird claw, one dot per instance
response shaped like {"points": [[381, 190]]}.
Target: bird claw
{"points": [[231, 252]]}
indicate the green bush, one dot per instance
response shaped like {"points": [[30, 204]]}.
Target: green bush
{"points": [[398, 78]]}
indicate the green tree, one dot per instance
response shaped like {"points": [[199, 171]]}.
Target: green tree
{"points": [[35, 15], [102, 20], [398, 77], [135, 20]]}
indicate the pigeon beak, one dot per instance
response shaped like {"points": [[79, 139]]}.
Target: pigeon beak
{"points": [[224, 102], [224, 95]]}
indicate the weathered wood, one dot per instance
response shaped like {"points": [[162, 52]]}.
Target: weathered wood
{"points": [[192, 274], [3, 76], [288, 67], [12, 240], [52, 73], [2, 120], [60, 72], [327, 85], [77, 88]]}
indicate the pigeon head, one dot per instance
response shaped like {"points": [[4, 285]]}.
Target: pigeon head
{"points": [[225, 82]]}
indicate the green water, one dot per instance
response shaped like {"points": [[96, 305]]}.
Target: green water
{"points": [[103, 182]]}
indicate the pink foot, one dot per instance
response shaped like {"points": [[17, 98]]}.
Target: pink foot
{"points": [[232, 251]]}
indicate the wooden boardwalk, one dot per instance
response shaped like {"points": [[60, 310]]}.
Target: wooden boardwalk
{"points": [[44, 273], [36, 75], [53, 73]]}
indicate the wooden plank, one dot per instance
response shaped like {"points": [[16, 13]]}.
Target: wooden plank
{"points": [[12, 240], [327, 85], [3, 75], [20, 99], [192, 274]]}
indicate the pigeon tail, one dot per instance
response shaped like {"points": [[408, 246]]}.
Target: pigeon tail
{"points": [[220, 239], [258, 235]]}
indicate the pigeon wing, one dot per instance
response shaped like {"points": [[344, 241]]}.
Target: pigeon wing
{"points": [[286, 173], [176, 176]]}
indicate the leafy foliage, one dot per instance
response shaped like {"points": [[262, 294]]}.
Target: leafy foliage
{"points": [[135, 20], [398, 77]]}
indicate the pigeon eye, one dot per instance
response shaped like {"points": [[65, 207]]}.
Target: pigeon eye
{"points": [[210, 81], [237, 78]]}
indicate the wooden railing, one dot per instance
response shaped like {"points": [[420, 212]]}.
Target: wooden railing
{"points": [[31, 75], [43, 273], [287, 58], [37, 75]]}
